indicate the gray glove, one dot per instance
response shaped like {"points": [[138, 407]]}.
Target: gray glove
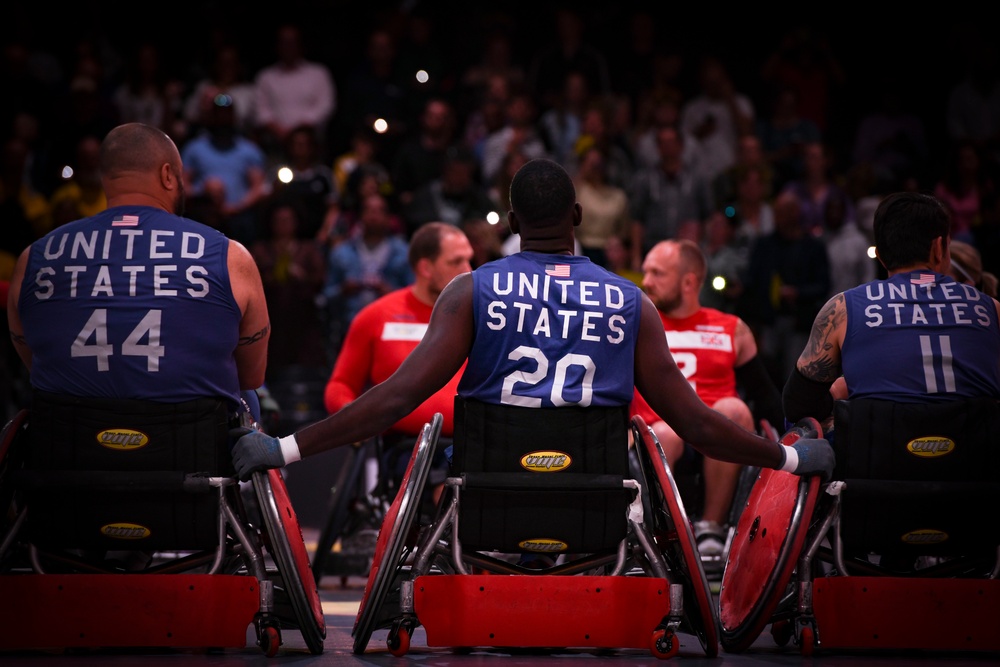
{"points": [[815, 457], [256, 451]]}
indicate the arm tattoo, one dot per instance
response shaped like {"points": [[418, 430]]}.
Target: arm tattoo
{"points": [[822, 370], [819, 362], [250, 340], [18, 339]]}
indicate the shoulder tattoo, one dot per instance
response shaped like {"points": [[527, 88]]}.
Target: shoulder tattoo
{"points": [[822, 363]]}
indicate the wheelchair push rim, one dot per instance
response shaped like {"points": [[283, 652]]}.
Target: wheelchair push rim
{"points": [[764, 551], [291, 557], [392, 537], [679, 545]]}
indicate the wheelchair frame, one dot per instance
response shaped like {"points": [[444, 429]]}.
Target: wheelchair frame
{"points": [[789, 540], [255, 574], [636, 596]]}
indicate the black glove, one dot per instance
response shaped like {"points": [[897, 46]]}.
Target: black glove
{"points": [[815, 457], [256, 451]]}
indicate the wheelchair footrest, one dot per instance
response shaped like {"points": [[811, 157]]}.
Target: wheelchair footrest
{"points": [[122, 610], [541, 611], [907, 612]]}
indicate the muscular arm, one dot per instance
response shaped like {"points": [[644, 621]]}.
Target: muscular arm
{"points": [[255, 325], [820, 360], [435, 360], [672, 398], [13, 316]]}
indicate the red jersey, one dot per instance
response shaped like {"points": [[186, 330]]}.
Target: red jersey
{"points": [[704, 348], [380, 337]]}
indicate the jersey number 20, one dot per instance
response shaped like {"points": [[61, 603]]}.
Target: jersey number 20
{"points": [[541, 373]]}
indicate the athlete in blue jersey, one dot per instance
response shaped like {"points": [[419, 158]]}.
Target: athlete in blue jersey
{"points": [[917, 336], [541, 329], [138, 302]]}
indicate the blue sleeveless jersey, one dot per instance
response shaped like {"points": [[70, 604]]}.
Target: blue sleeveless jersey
{"points": [[132, 303], [551, 331], [921, 337]]}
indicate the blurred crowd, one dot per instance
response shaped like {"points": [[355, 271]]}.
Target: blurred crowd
{"points": [[323, 161]]}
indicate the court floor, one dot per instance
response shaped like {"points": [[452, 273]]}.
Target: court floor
{"points": [[340, 604]]}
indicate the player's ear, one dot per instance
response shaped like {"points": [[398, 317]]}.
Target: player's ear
{"points": [[513, 223], [940, 258], [168, 176]]}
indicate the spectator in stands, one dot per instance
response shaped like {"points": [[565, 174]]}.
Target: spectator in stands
{"points": [[369, 263], [226, 169], [787, 281], [291, 91], [292, 268], [454, 197]]}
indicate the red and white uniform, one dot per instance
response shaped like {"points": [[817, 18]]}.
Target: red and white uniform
{"points": [[704, 347], [380, 337]]}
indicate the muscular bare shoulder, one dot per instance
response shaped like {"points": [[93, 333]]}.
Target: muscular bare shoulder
{"points": [[456, 297], [820, 360]]}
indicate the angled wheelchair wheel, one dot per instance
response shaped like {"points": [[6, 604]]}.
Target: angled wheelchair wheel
{"points": [[389, 561], [765, 548], [672, 531], [12, 455], [290, 555]]}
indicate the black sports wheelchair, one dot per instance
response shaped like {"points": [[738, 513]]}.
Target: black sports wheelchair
{"points": [[124, 521], [900, 551], [543, 538]]}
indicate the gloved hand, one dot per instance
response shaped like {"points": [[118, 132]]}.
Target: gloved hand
{"points": [[256, 451], [815, 457]]}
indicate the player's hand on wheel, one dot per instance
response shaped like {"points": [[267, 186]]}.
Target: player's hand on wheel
{"points": [[256, 451]]}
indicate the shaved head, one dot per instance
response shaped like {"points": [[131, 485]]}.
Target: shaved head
{"points": [[135, 147], [140, 165]]}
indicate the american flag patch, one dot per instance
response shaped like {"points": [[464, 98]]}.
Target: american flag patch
{"points": [[921, 278], [557, 270], [125, 221]]}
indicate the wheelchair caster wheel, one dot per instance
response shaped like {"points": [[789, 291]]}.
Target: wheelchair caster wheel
{"points": [[781, 632], [270, 640], [664, 644], [807, 642], [399, 642]]}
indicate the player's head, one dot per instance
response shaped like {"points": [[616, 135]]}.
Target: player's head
{"points": [[543, 201], [141, 159], [438, 252], [908, 228], [672, 274]]}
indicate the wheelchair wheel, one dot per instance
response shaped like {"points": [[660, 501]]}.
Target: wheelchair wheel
{"points": [[748, 475], [352, 473], [672, 531], [12, 455], [389, 562], [290, 555], [765, 548]]}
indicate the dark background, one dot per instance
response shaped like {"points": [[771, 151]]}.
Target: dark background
{"points": [[921, 54]]}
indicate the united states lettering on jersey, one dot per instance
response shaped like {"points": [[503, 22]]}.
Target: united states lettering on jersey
{"points": [[153, 251], [588, 314], [949, 303]]}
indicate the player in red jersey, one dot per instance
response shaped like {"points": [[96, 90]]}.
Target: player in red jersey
{"points": [[717, 353], [385, 331]]}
